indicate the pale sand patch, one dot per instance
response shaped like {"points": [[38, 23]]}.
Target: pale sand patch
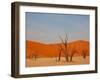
{"points": [[53, 61]]}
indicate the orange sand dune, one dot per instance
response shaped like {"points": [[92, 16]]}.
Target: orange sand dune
{"points": [[52, 50]]}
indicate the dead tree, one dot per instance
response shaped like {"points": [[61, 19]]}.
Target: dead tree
{"points": [[59, 54], [64, 48], [60, 51], [72, 54], [84, 54], [35, 56]]}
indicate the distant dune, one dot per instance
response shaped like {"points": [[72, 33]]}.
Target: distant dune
{"points": [[52, 50]]}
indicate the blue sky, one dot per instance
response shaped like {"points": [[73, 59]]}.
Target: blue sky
{"points": [[47, 27]]}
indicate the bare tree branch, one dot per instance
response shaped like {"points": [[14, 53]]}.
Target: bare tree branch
{"points": [[61, 39]]}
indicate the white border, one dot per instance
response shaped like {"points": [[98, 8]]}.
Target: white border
{"points": [[70, 68]]}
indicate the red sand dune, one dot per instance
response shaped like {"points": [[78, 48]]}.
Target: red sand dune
{"points": [[52, 50]]}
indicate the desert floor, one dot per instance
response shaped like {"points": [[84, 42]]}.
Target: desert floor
{"points": [[53, 61]]}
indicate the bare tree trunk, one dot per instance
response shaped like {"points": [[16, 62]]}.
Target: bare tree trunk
{"points": [[59, 55], [35, 57], [66, 55], [66, 48], [71, 57], [84, 54]]}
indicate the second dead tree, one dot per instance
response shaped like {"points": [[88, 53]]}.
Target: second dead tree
{"points": [[72, 54], [84, 53]]}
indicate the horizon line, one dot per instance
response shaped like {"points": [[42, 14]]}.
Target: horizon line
{"points": [[56, 42]]}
